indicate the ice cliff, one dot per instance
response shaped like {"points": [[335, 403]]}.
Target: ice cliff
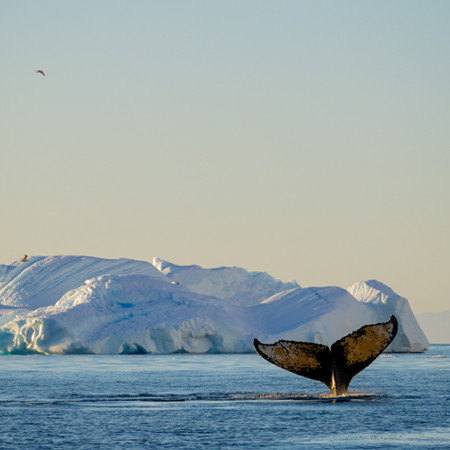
{"points": [[80, 304], [381, 298]]}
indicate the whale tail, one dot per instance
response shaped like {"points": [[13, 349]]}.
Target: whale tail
{"points": [[337, 366]]}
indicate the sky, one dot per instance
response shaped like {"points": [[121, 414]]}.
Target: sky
{"points": [[306, 139]]}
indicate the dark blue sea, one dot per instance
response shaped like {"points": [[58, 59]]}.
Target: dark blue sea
{"points": [[219, 401]]}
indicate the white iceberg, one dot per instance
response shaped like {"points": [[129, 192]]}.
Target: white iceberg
{"points": [[233, 284], [41, 281], [74, 304], [382, 299]]}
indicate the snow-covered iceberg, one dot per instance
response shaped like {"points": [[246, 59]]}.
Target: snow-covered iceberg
{"points": [[79, 304], [233, 284], [381, 298], [41, 281]]}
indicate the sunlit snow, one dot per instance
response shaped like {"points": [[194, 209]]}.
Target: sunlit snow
{"points": [[78, 304]]}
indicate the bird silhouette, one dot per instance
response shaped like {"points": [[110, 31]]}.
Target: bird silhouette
{"points": [[41, 72]]}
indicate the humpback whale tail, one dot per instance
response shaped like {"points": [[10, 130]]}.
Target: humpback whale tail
{"points": [[337, 366]]}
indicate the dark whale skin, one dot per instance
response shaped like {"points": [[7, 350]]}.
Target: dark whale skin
{"points": [[335, 366]]}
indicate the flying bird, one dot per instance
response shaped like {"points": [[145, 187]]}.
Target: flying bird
{"points": [[41, 72]]}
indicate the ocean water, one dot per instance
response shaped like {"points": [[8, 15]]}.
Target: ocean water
{"points": [[219, 401]]}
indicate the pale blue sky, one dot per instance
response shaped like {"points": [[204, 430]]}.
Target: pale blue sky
{"points": [[309, 139]]}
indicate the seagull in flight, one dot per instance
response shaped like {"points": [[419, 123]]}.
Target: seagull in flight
{"points": [[41, 72]]}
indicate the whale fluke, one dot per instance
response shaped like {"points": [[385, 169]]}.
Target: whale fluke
{"points": [[337, 366]]}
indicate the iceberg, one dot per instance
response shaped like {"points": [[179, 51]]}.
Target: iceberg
{"points": [[381, 298], [233, 284], [81, 304], [41, 281]]}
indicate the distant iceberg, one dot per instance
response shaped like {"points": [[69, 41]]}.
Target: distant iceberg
{"points": [[81, 304]]}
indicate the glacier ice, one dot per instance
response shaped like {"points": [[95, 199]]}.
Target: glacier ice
{"points": [[234, 284], [379, 297], [80, 304]]}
